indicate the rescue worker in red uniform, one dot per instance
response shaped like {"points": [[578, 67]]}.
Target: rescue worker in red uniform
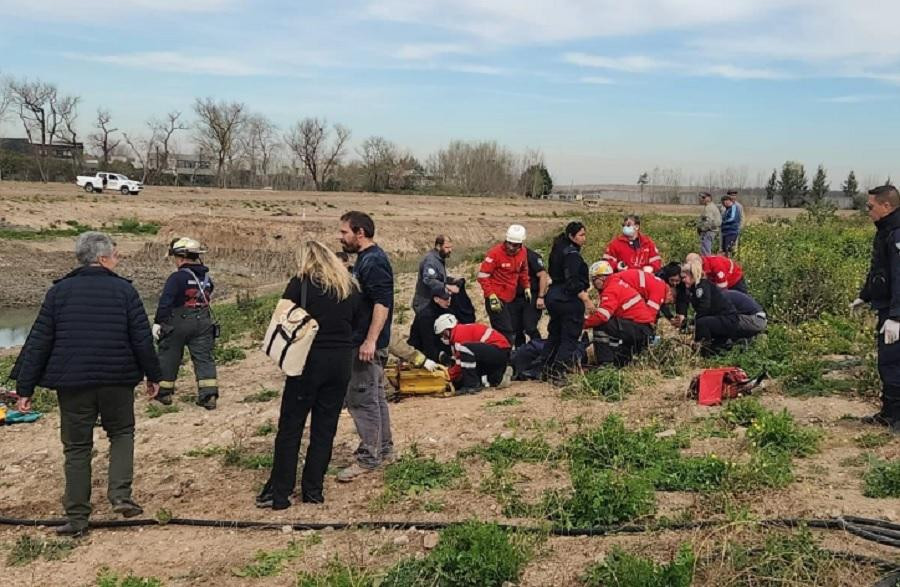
{"points": [[632, 249], [723, 272], [480, 351], [503, 271], [652, 289], [622, 323]]}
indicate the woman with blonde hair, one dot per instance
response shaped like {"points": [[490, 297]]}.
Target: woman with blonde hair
{"points": [[327, 291], [715, 318]]}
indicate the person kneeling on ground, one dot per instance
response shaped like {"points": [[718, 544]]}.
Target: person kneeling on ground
{"points": [[623, 322], [654, 291], [716, 319], [725, 273], [332, 298], [481, 352], [752, 318]]}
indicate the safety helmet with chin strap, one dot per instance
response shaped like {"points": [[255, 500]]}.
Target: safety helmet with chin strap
{"points": [[185, 247], [445, 322], [601, 269]]}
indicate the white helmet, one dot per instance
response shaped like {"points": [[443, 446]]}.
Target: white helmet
{"points": [[445, 322], [515, 234]]}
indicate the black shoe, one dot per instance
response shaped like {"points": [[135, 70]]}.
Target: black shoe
{"points": [[127, 508], [281, 505], [877, 419], [313, 498], [264, 499], [165, 400], [469, 390], [71, 531], [209, 403]]}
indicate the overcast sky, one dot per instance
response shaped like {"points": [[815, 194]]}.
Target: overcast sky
{"points": [[605, 89]]}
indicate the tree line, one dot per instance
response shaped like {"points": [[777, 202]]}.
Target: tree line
{"points": [[243, 148]]}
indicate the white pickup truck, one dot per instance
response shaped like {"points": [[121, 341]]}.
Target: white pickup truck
{"points": [[109, 181]]}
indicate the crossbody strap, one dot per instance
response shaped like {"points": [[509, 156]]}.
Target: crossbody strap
{"points": [[202, 293]]}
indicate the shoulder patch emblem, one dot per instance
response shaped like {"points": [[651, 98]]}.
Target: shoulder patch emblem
{"points": [[431, 271], [699, 292]]}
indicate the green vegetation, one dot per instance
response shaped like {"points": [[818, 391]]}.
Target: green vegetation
{"points": [[245, 316], [510, 401], [882, 479], [108, 578], [337, 574], [235, 455], [28, 549], [224, 354], [413, 474], [74, 228], [628, 570], [873, 439], [265, 429], [134, 226], [743, 411], [264, 395], [608, 383], [270, 563], [156, 409], [504, 452], [780, 432]]}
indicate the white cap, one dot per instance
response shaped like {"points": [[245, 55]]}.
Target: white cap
{"points": [[515, 234], [445, 322]]}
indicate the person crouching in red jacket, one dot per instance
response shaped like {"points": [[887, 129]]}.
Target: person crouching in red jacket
{"points": [[633, 249], [724, 272], [623, 323], [480, 351]]}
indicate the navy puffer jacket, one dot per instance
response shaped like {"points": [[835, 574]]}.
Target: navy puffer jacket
{"points": [[92, 330]]}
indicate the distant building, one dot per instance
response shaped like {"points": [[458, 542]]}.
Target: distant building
{"points": [[195, 164], [61, 151]]}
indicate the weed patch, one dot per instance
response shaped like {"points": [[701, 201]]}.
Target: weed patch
{"points": [[268, 563], [628, 570], [743, 411], [337, 574], [873, 439], [265, 429], [228, 354], [599, 498], [504, 452], [28, 549], [108, 578], [156, 409], [263, 396], [135, 226], [780, 432], [882, 480], [413, 474], [608, 383]]}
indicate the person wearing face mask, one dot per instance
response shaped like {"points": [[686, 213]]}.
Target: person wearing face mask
{"points": [[503, 271], [480, 351], [632, 249], [567, 301], [881, 291]]}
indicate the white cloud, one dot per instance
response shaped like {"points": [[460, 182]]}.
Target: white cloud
{"points": [[171, 61], [631, 63], [477, 69], [426, 51], [738, 73], [90, 10], [596, 79], [680, 114], [855, 98]]}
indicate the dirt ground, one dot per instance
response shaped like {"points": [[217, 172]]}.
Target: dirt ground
{"points": [[167, 479]]}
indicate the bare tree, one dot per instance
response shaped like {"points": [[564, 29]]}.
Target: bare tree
{"points": [[259, 142], [379, 159], [217, 130], [40, 107], [68, 108], [309, 140], [165, 130], [476, 168], [143, 148], [103, 139]]}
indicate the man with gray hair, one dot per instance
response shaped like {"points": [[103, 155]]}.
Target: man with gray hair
{"points": [[91, 342]]}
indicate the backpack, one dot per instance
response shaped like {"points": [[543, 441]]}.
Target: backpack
{"points": [[711, 386], [290, 335]]}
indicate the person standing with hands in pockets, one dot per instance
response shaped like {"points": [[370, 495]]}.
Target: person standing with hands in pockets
{"points": [[366, 399]]}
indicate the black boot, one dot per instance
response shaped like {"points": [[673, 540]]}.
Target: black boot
{"points": [[71, 531]]}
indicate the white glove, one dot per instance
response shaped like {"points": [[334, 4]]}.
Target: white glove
{"points": [[891, 330], [856, 304], [155, 329], [430, 365]]}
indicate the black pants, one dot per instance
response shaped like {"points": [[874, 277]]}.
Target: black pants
{"points": [[421, 332], [729, 243], [525, 318], [320, 390], [617, 341], [889, 371], [502, 321], [562, 350], [477, 359], [714, 331]]}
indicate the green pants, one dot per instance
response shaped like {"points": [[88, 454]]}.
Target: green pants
{"points": [[78, 411], [193, 329]]}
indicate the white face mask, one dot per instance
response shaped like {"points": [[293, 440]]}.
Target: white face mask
{"points": [[629, 231]]}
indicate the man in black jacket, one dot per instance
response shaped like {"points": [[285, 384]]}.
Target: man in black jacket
{"points": [[91, 342], [882, 292]]}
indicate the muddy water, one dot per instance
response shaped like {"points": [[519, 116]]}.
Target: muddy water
{"points": [[15, 323]]}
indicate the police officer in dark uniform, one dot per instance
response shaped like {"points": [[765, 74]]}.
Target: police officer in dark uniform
{"points": [[183, 318], [526, 311], [882, 292], [567, 301]]}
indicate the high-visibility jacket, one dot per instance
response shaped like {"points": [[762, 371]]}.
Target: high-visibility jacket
{"points": [[653, 289], [620, 300], [502, 273], [722, 271], [634, 254], [468, 333]]}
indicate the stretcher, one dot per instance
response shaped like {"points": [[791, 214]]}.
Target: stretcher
{"points": [[409, 380]]}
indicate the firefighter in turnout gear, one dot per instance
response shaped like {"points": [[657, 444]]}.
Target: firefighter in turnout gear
{"points": [[623, 322], [184, 319], [480, 351]]}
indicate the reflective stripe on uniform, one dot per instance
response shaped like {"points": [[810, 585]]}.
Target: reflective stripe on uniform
{"points": [[467, 365], [653, 305], [205, 383], [627, 305], [605, 312], [656, 258], [483, 275], [487, 334], [463, 349], [642, 279], [167, 385]]}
